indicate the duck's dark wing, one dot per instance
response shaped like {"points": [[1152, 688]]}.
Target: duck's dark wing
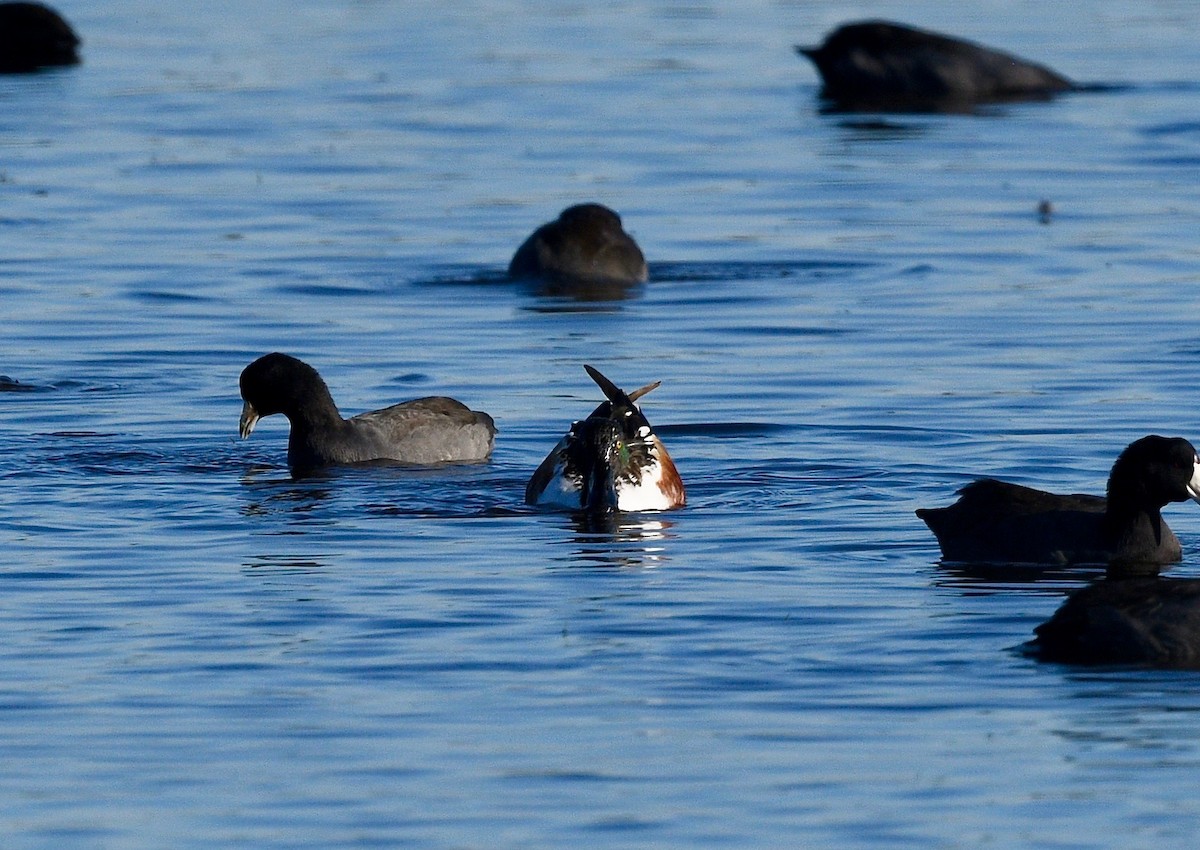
{"points": [[548, 474]]}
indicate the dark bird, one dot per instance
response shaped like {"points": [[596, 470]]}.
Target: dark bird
{"points": [[423, 431], [34, 36], [586, 244], [998, 522], [610, 461], [1144, 621], [889, 67]]}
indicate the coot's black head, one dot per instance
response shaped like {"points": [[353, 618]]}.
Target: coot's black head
{"points": [[596, 216], [279, 383], [1153, 471], [873, 37]]}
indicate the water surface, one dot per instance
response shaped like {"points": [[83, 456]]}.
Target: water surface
{"points": [[851, 316]]}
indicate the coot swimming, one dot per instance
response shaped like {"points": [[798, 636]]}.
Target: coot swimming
{"points": [[998, 522], [424, 431]]}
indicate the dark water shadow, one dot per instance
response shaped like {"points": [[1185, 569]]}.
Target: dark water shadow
{"points": [[442, 491], [468, 276], [102, 455], [660, 272], [268, 493], [985, 579], [991, 107], [580, 291], [1053, 577], [326, 290], [1159, 86], [284, 565], [560, 293], [1171, 129], [110, 462], [158, 297], [702, 272], [879, 129], [14, 385]]}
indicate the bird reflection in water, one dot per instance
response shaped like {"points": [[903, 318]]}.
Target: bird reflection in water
{"points": [[268, 494], [615, 539]]}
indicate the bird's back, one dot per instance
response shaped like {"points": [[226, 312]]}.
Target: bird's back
{"points": [[998, 521], [423, 431], [1152, 621]]}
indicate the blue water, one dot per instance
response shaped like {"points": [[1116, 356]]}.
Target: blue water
{"points": [[851, 317]]}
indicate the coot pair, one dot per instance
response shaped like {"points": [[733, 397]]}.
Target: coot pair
{"points": [[612, 460], [1133, 616]]}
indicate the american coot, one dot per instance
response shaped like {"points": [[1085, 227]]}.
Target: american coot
{"points": [[997, 522], [34, 36], [879, 65], [585, 243], [610, 461], [423, 431], [1144, 621]]}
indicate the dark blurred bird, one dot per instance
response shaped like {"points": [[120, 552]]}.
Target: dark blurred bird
{"points": [[34, 36], [884, 66], [586, 243]]}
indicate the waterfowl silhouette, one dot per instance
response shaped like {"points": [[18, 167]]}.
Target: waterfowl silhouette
{"points": [[998, 522], [1146, 621], [586, 243], [34, 36], [424, 431], [610, 461], [890, 67]]}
